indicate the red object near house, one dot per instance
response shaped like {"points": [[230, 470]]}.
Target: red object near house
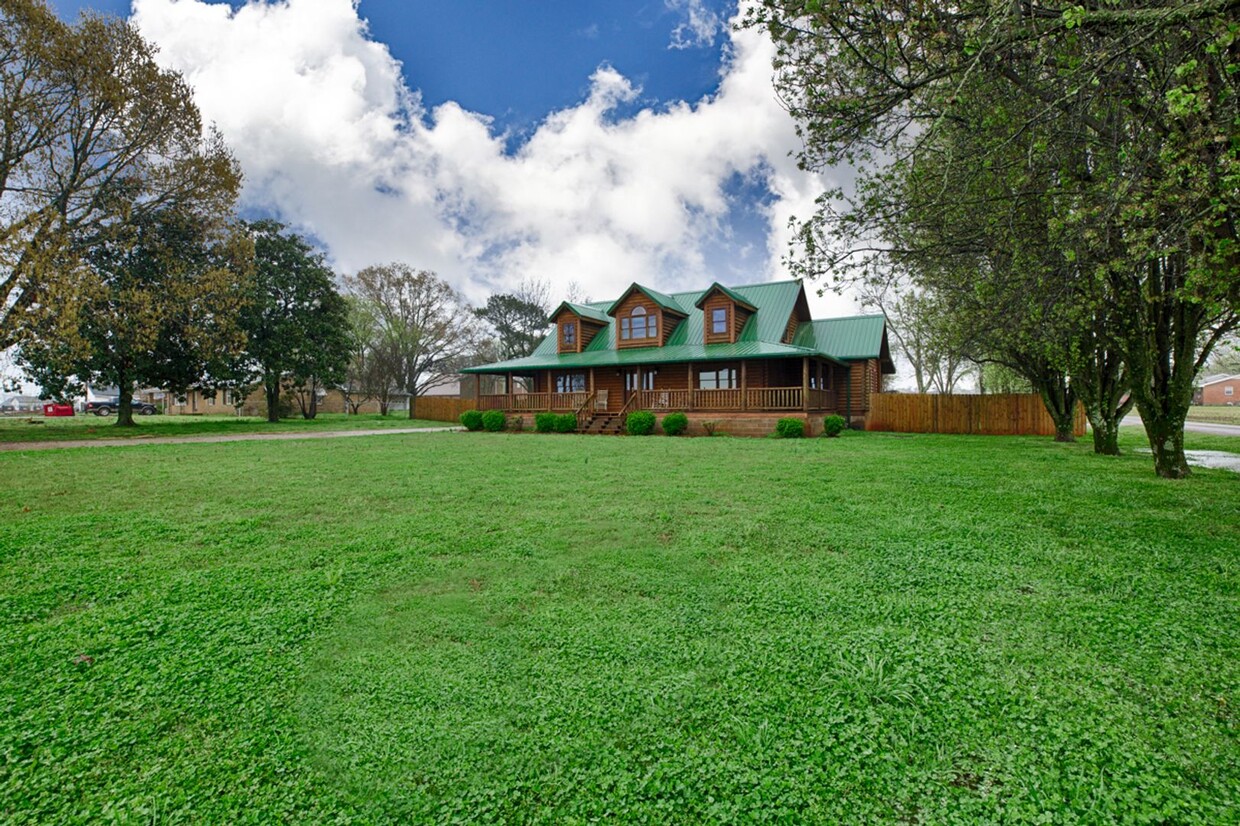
{"points": [[57, 409]]}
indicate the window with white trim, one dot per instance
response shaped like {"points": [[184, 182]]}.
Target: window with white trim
{"points": [[638, 325], [721, 379]]}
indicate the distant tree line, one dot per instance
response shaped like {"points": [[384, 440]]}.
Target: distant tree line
{"points": [[1050, 186]]}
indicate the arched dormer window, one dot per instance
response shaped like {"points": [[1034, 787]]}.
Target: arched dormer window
{"points": [[638, 324]]}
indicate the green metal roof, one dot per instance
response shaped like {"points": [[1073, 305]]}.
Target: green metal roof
{"points": [[646, 355], [836, 339], [582, 310], [855, 337]]}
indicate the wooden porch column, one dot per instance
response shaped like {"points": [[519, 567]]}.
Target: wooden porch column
{"points": [[591, 381], [744, 385], [805, 384], [689, 381]]}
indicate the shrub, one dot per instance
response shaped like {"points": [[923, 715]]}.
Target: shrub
{"points": [[790, 428], [472, 420], [640, 423], [566, 423], [675, 423], [710, 427], [545, 422], [833, 425], [494, 420]]}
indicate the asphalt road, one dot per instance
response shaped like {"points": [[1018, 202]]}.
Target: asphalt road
{"points": [[1196, 427]]}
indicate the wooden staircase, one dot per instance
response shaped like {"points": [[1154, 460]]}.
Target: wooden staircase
{"points": [[604, 423]]}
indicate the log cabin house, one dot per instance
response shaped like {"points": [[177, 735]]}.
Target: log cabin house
{"points": [[741, 357]]}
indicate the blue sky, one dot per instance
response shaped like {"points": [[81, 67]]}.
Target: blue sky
{"points": [[585, 143], [518, 61]]}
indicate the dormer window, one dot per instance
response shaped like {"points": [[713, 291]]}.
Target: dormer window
{"points": [[719, 320], [638, 325]]}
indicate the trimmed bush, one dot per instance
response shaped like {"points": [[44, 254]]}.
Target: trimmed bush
{"points": [[471, 420], [545, 422], [675, 423], [494, 420], [565, 423], [833, 426], [790, 428], [640, 423]]}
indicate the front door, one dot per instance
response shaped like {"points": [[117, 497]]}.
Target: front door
{"points": [[637, 379]]}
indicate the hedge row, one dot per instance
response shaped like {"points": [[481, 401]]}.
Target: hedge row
{"points": [[638, 423]]}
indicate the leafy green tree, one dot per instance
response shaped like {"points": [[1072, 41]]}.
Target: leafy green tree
{"points": [[519, 318], [296, 322], [94, 135], [423, 325], [157, 306], [1127, 109]]}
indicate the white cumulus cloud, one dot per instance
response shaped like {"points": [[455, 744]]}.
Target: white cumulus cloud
{"points": [[333, 140], [700, 27]]}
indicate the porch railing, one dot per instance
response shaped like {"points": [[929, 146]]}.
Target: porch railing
{"points": [[533, 402], [756, 399]]}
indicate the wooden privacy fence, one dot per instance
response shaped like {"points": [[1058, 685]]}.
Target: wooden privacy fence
{"points": [[1017, 414], [442, 408]]}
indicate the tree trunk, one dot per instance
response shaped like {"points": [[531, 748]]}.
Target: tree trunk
{"points": [[413, 404], [124, 410], [1167, 443], [272, 389], [1102, 383], [314, 400], [1060, 400], [1106, 435], [1168, 338]]}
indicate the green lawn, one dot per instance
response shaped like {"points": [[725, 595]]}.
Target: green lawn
{"points": [[1218, 415], [69, 428], [507, 628]]}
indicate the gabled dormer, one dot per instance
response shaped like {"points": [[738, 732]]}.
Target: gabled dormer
{"points": [[724, 313], [644, 317], [576, 325], [800, 315]]}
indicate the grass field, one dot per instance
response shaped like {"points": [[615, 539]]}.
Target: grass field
{"points": [[456, 627], [72, 428], [1218, 415]]}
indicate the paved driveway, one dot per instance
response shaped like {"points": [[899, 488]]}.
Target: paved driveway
{"points": [[239, 437]]}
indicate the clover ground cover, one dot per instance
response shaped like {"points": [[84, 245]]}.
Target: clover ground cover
{"points": [[508, 628]]}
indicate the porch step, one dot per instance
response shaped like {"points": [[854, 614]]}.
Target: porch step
{"points": [[606, 423]]}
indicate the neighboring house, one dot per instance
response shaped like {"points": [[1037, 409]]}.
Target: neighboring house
{"points": [[1218, 390], [739, 356], [202, 402], [21, 404]]}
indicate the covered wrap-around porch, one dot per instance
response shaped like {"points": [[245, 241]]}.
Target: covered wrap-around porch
{"points": [[763, 386]]}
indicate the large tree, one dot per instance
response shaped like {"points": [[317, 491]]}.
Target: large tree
{"points": [[156, 306], [94, 134], [519, 318], [295, 320], [1138, 101], [423, 324]]}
